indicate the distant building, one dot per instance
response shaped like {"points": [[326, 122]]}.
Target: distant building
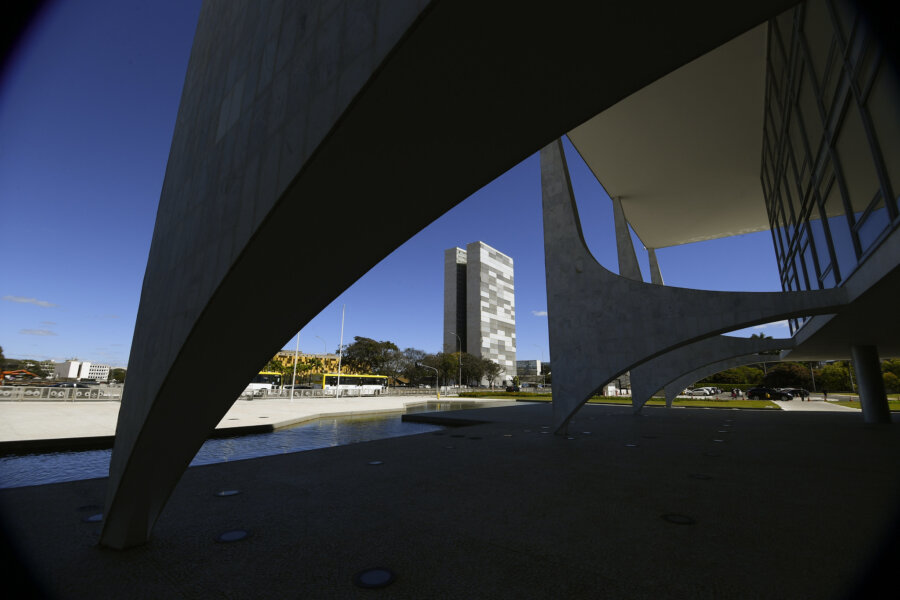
{"points": [[319, 363], [79, 369], [527, 368], [479, 305]]}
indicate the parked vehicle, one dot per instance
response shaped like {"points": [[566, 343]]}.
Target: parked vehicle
{"points": [[70, 385], [764, 393], [796, 392], [512, 388]]}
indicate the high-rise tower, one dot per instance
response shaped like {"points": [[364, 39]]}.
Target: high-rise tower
{"points": [[479, 305]]}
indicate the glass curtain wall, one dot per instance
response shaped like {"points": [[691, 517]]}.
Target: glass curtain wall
{"points": [[831, 144]]}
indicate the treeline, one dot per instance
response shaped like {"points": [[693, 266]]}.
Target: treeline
{"points": [[366, 355], [838, 376]]}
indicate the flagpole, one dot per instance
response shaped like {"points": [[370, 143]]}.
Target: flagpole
{"points": [[337, 392]]}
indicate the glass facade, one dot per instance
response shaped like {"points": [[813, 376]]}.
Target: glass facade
{"points": [[830, 167]]}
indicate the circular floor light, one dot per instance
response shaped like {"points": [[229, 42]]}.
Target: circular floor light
{"points": [[95, 518], [376, 462], [678, 519], [631, 445], [223, 493], [233, 535], [719, 441], [377, 577]]}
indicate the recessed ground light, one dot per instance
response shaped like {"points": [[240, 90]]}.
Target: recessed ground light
{"points": [[378, 577], [678, 519], [95, 518], [376, 462], [545, 432], [228, 493], [507, 435], [631, 445], [569, 437], [234, 535], [724, 431], [718, 440], [586, 432]]}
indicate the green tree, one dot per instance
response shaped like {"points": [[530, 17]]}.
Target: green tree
{"points": [[117, 375], [833, 378], [366, 355], [491, 371], [788, 375], [890, 365], [891, 383]]}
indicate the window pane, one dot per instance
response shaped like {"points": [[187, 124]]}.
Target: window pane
{"points": [[812, 118], [811, 274], [828, 279], [856, 160], [840, 233], [821, 246], [818, 31], [872, 227], [883, 103]]}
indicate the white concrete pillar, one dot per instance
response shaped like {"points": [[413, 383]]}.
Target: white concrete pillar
{"points": [[655, 274], [628, 263], [871, 384]]}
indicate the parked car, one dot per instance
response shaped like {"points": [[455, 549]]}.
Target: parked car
{"points": [[764, 393], [795, 392], [71, 384]]}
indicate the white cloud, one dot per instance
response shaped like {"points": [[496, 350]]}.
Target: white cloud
{"points": [[22, 300], [36, 332], [768, 325], [539, 313]]}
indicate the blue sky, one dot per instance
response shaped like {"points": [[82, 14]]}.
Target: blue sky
{"points": [[87, 110]]}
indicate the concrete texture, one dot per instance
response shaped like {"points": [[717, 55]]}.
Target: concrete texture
{"points": [[602, 324], [787, 505], [291, 109], [653, 375], [628, 263]]}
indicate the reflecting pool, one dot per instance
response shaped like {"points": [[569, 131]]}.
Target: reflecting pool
{"points": [[53, 467]]}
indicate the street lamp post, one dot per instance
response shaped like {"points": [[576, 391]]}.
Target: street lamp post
{"points": [[459, 357], [541, 368], [437, 386], [294, 376]]}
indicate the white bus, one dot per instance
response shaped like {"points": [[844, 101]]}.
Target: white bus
{"points": [[263, 383], [363, 383]]}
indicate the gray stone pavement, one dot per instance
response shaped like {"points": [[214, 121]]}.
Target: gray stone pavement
{"points": [[779, 505]]}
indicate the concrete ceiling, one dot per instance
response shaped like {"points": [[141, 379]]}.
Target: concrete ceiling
{"points": [[683, 153]]}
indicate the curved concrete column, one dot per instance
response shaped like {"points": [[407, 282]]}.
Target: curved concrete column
{"points": [[676, 386], [296, 114], [653, 375], [602, 325]]}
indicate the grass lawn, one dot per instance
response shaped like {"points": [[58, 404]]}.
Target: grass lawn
{"points": [[691, 402], [894, 405]]}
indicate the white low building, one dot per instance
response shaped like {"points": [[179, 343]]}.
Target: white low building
{"points": [[79, 369]]}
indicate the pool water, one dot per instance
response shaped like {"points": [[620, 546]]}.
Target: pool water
{"points": [[54, 467]]}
